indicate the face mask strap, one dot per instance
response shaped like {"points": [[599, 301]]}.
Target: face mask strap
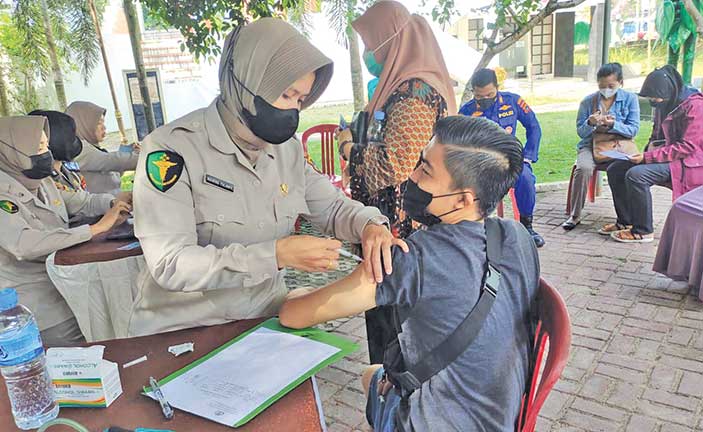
{"points": [[16, 149], [452, 194], [239, 94], [391, 38], [447, 195]]}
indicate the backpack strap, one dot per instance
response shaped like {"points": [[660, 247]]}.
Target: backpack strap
{"points": [[461, 338]]}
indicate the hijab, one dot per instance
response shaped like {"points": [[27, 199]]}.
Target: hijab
{"points": [[407, 48], [63, 142], [666, 83], [19, 139], [266, 56], [87, 116]]}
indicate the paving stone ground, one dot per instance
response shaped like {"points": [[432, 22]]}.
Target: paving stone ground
{"points": [[636, 361]]}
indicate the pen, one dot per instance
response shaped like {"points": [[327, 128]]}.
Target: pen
{"points": [[165, 407], [344, 253]]}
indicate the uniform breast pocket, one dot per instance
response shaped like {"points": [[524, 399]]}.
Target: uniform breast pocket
{"points": [[507, 123], [220, 223], [288, 209]]}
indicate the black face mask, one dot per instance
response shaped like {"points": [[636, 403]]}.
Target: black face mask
{"points": [[485, 104], [67, 152], [271, 124], [42, 166], [416, 200]]}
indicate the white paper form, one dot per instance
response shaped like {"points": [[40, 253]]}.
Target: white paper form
{"points": [[614, 154], [228, 386]]}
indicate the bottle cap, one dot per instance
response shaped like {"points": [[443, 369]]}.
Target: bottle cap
{"points": [[8, 299]]}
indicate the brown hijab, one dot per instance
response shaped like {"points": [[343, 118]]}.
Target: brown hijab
{"points": [[87, 116], [267, 56], [19, 139], [408, 49]]}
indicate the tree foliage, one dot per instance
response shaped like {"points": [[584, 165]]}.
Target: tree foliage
{"points": [[203, 24], [73, 31], [675, 24]]}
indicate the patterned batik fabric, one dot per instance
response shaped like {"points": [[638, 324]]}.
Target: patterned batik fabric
{"points": [[378, 171]]}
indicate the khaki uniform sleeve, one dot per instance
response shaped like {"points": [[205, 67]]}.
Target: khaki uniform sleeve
{"points": [[166, 227], [332, 212], [27, 243], [86, 204], [92, 159]]}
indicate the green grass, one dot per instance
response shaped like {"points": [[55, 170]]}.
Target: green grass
{"points": [[637, 54], [557, 150]]}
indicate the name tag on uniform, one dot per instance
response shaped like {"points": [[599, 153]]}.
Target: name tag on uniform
{"points": [[506, 114], [219, 183]]}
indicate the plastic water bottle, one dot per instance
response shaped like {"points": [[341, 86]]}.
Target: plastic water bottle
{"points": [[22, 364], [376, 130]]}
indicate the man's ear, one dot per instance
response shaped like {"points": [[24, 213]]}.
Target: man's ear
{"points": [[468, 198]]}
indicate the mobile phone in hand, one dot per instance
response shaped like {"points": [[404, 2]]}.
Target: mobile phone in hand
{"points": [[342, 123]]}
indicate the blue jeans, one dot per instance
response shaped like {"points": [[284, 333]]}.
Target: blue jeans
{"points": [[380, 411]]}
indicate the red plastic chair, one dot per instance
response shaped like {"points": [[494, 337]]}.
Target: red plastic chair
{"points": [[554, 326], [513, 202], [327, 143]]}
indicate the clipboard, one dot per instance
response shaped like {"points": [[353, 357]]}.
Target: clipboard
{"points": [[344, 347]]}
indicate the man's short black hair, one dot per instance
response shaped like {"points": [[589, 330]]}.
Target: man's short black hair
{"points": [[481, 156], [610, 69], [483, 77]]}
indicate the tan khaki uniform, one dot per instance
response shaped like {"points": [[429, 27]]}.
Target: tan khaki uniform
{"points": [[209, 241], [103, 170], [35, 228]]}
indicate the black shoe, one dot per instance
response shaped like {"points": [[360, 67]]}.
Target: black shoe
{"points": [[526, 221], [571, 223]]}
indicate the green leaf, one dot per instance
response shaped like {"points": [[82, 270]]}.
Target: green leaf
{"points": [[665, 19], [687, 21]]}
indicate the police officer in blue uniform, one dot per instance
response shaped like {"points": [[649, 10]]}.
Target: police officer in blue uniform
{"points": [[507, 109]]}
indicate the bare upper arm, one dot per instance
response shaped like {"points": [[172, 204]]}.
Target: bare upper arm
{"points": [[348, 296]]}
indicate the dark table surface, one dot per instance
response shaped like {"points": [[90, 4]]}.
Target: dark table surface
{"points": [[295, 412], [96, 250]]}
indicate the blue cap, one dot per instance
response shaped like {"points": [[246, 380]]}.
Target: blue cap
{"points": [[8, 299], [379, 115]]}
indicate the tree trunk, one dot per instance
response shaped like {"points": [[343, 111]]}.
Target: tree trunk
{"points": [[29, 103], [99, 34], [486, 58], [493, 48], [695, 14], [4, 105], [135, 36], [55, 66], [356, 71]]}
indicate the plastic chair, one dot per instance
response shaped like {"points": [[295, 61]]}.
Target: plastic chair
{"points": [[593, 186], [554, 326], [513, 201], [327, 143]]}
